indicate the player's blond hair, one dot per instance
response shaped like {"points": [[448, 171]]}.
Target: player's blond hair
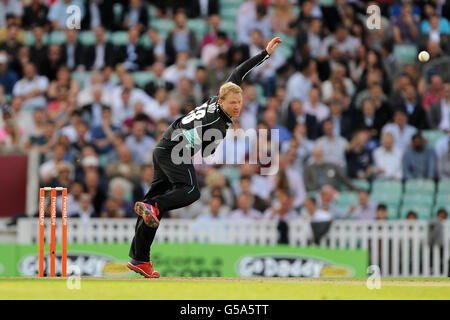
{"points": [[228, 87]]}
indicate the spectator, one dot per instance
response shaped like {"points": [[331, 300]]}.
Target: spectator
{"points": [[434, 93], [72, 50], [125, 98], [320, 173], [334, 145], [63, 81], [98, 13], [58, 15], [300, 144], [181, 39], [346, 43], [218, 72], [281, 16], [245, 184], [31, 88], [11, 44], [158, 45], [440, 111], [411, 215], [259, 21], [282, 212], [86, 210], [316, 108], [412, 106], [52, 62], [141, 188], [419, 160], [184, 93], [93, 188], [365, 209], [10, 7], [111, 209], [299, 83], [139, 142], [103, 135], [100, 54], [382, 212], [400, 130], [211, 213], [388, 159], [47, 170], [244, 211], [314, 217], [358, 157], [214, 22], [118, 193], [158, 81], [38, 50], [405, 27], [124, 167], [296, 116], [136, 16], [92, 112], [216, 181], [180, 69], [134, 56], [212, 50], [436, 229], [338, 75], [8, 77], [444, 165], [327, 202], [271, 120]]}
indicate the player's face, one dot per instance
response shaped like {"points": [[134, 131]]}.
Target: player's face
{"points": [[232, 104]]}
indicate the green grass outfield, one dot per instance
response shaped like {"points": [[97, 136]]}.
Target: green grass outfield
{"points": [[225, 288]]}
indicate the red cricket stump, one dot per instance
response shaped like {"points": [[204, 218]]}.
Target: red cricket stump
{"points": [[64, 234], [52, 244]]}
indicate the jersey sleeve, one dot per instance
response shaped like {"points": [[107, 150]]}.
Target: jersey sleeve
{"points": [[238, 75]]}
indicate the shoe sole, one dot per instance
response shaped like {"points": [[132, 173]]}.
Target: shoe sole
{"points": [[140, 271], [141, 209]]}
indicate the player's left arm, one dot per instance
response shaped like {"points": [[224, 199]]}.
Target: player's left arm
{"points": [[244, 68]]}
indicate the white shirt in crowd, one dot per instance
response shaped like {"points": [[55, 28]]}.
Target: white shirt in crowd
{"points": [[173, 74], [319, 110], [403, 137], [120, 112], [291, 215], [389, 161], [334, 149], [25, 86], [445, 115], [441, 145], [239, 214], [297, 87]]}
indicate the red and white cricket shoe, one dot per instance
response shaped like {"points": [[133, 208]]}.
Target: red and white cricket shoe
{"points": [[148, 212], [144, 268]]}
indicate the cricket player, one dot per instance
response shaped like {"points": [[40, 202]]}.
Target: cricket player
{"points": [[174, 183]]}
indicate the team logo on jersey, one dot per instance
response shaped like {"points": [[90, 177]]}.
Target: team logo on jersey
{"points": [[212, 108]]}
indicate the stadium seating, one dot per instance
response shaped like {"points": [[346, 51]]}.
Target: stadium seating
{"points": [[405, 52], [163, 26], [423, 212], [432, 136], [362, 184], [420, 186], [141, 78]]}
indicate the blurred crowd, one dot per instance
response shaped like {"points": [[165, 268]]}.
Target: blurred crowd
{"points": [[346, 103]]}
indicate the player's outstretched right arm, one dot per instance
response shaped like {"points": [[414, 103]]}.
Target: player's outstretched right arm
{"points": [[244, 68]]}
